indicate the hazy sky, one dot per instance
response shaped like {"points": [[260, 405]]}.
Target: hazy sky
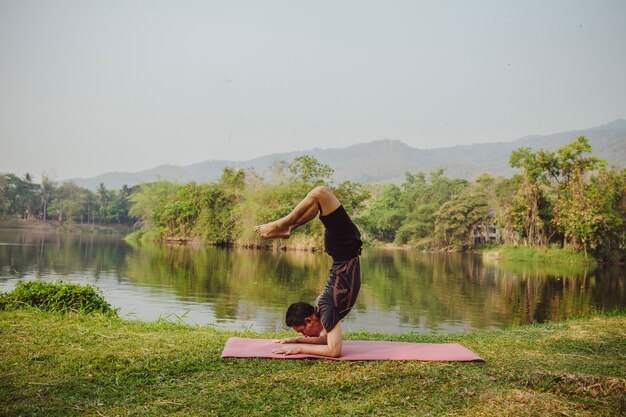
{"points": [[88, 87]]}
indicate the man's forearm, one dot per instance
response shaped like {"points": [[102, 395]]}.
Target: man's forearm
{"points": [[321, 350], [320, 340], [328, 344]]}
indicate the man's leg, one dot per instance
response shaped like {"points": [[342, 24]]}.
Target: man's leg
{"points": [[306, 210]]}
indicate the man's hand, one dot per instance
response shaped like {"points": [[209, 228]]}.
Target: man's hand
{"points": [[288, 340], [287, 350]]}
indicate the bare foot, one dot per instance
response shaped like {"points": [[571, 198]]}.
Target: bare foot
{"points": [[273, 230]]}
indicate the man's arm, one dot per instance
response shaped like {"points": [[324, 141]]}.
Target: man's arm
{"points": [[332, 348], [320, 340]]}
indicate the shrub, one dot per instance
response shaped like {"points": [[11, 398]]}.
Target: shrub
{"points": [[56, 297]]}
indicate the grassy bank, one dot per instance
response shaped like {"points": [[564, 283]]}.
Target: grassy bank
{"points": [[76, 364], [8, 221], [54, 226], [299, 242], [535, 254]]}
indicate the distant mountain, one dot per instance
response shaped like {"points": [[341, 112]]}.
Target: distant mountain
{"points": [[388, 160]]}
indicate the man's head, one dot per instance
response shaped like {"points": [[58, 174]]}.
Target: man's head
{"points": [[301, 317]]}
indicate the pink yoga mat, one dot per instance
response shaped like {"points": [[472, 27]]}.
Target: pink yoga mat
{"points": [[357, 350]]}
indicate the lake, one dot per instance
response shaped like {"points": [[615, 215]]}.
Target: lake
{"points": [[402, 290]]}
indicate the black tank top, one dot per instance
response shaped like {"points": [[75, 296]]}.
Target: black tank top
{"points": [[342, 239]]}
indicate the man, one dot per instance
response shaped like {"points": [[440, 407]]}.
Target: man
{"points": [[342, 242]]}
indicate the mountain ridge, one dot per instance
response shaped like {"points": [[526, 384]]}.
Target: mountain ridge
{"points": [[387, 160]]}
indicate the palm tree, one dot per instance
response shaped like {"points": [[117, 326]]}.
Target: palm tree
{"points": [[103, 199], [47, 188]]}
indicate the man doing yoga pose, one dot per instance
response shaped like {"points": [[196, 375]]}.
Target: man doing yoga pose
{"points": [[342, 241]]}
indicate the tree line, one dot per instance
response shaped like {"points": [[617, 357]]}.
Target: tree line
{"points": [[564, 198], [22, 198], [225, 212]]}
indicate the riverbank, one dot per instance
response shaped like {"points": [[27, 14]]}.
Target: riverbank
{"points": [[295, 243], [74, 364], [545, 255], [491, 253], [54, 226]]}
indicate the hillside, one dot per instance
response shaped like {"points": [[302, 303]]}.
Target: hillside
{"points": [[388, 160]]}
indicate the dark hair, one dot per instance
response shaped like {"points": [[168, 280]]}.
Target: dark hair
{"points": [[297, 312]]}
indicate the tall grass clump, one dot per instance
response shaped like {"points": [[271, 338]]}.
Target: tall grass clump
{"points": [[56, 297], [538, 254]]}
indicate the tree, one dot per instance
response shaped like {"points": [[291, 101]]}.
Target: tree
{"points": [[421, 197], [279, 170], [29, 192], [193, 211], [310, 171], [103, 196], [18, 195], [352, 195], [559, 198], [48, 187], [524, 211], [233, 180], [383, 216], [577, 208], [90, 202], [67, 202], [148, 198], [458, 218], [570, 164], [407, 214], [588, 212]]}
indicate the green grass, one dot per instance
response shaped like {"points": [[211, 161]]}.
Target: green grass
{"points": [[143, 237], [537, 254], [77, 364]]}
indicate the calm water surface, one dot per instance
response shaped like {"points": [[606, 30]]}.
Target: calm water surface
{"points": [[402, 291]]}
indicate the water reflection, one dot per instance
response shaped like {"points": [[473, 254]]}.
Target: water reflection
{"points": [[234, 288]]}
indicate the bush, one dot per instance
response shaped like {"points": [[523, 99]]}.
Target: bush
{"points": [[56, 297]]}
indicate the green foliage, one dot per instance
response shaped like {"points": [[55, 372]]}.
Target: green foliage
{"points": [[269, 202], [310, 171], [67, 204], [178, 214], [557, 198], [47, 189], [526, 211], [406, 214], [55, 297], [233, 180], [383, 216], [216, 221], [570, 162], [564, 197], [458, 217], [591, 213], [113, 205], [18, 196], [352, 196], [226, 212], [421, 198], [148, 197], [22, 198], [199, 211], [581, 208]]}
